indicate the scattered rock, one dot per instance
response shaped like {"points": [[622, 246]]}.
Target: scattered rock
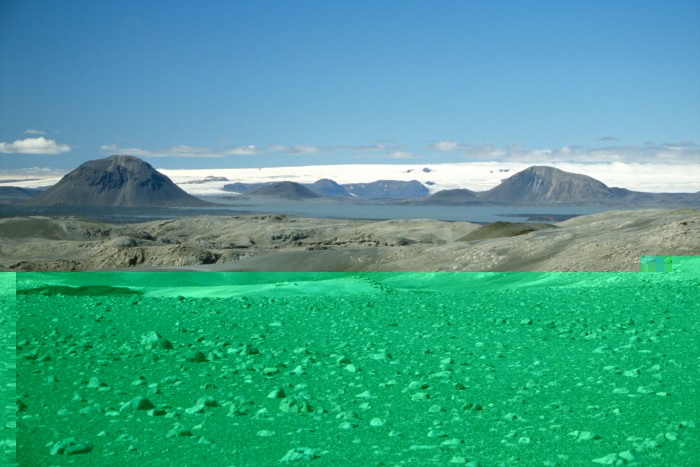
{"points": [[153, 340], [377, 422], [137, 403], [177, 431], [299, 454], [201, 405], [277, 394], [70, 446], [296, 404], [195, 356]]}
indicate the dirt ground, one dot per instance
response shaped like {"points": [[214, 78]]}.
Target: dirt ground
{"points": [[609, 241]]}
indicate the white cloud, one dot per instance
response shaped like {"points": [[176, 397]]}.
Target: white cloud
{"points": [[446, 146], [402, 155], [38, 145], [684, 152], [34, 132], [182, 151], [294, 150]]}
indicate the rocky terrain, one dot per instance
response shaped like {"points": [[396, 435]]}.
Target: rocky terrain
{"points": [[608, 241], [8, 367], [247, 369]]}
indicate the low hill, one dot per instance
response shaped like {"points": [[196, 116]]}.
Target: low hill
{"points": [[451, 197], [285, 190], [17, 192], [504, 229]]}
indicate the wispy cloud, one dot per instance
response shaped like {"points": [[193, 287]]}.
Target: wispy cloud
{"points": [[31, 131], [250, 150], [182, 151], [609, 139], [402, 155], [446, 146], [38, 145], [670, 153], [294, 150], [365, 148]]}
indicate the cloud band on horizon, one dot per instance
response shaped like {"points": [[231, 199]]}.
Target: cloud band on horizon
{"points": [[672, 153]]}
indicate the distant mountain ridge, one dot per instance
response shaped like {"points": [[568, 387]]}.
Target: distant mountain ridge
{"points": [[18, 192], [380, 189], [126, 181], [115, 181], [388, 189]]}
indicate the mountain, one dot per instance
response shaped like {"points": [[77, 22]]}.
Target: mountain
{"points": [[115, 181], [448, 197], [207, 179], [659, 200], [328, 187], [547, 185], [285, 190], [240, 187], [18, 192], [388, 189]]}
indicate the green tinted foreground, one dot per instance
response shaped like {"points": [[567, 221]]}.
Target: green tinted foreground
{"points": [[358, 369], [8, 334]]}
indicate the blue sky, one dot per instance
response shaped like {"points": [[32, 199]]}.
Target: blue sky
{"points": [[269, 83]]}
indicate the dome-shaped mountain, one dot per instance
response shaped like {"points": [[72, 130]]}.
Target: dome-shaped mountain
{"points": [[328, 187], [547, 185], [285, 190], [116, 181]]}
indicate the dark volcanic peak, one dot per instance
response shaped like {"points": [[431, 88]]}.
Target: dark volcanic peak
{"points": [[285, 190], [547, 185], [328, 187], [388, 189], [123, 181]]}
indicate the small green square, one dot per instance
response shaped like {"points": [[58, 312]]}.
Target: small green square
{"points": [[655, 264]]}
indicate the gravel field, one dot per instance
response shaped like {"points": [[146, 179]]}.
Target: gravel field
{"points": [[236, 369]]}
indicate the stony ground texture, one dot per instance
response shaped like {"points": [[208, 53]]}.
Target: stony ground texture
{"points": [[8, 373], [610, 241], [368, 369]]}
